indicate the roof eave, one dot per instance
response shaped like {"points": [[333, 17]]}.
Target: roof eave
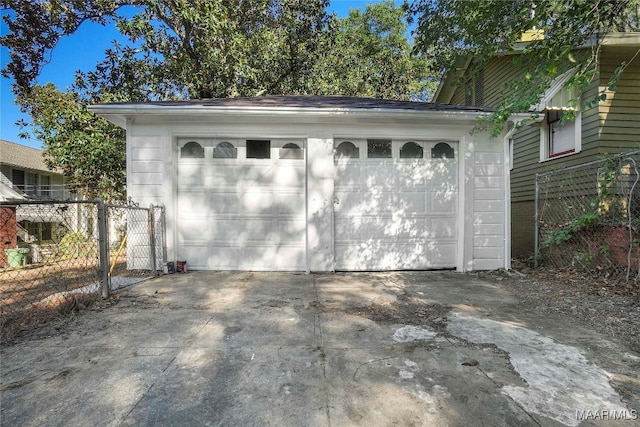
{"points": [[446, 87], [118, 114]]}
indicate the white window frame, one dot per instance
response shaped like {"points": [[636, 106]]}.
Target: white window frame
{"points": [[545, 154]]}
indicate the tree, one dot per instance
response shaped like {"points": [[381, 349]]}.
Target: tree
{"points": [[371, 56], [449, 30], [87, 149], [177, 49], [204, 48]]}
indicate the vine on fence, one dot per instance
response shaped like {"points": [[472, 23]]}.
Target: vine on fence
{"points": [[602, 204], [597, 229]]}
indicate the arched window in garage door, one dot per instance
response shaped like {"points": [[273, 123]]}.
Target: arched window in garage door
{"points": [[192, 150], [411, 150], [348, 150], [225, 150], [442, 150], [291, 151]]}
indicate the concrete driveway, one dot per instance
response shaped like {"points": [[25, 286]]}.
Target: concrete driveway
{"points": [[256, 349]]}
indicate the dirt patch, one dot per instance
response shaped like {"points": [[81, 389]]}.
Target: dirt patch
{"points": [[42, 320], [408, 310], [23, 286], [608, 306]]}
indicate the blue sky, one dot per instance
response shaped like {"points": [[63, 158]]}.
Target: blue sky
{"points": [[81, 51]]}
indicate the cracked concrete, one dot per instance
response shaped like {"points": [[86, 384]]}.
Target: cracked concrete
{"points": [[254, 349]]}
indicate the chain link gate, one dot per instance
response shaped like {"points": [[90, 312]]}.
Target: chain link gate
{"points": [[588, 217], [59, 256], [133, 233]]}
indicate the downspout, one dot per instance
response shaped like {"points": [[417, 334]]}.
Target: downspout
{"points": [[507, 201], [306, 206]]}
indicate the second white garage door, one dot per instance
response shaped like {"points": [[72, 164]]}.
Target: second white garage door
{"points": [[241, 204], [396, 205]]}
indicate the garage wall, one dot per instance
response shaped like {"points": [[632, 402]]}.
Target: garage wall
{"points": [[489, 202], [150, 172], [152, 155]]}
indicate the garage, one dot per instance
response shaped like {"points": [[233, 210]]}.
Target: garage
{"points": [[240, 204], [395, 204], [320, 183]]}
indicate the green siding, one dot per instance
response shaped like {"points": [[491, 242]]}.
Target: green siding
{"points": [[619, 114], [498, 71], [613, 126]]}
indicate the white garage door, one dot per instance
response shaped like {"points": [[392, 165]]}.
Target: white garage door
{"points": [[241, 204], [395, 205]]}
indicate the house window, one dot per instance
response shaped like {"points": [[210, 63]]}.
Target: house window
{"points": [[45, 185], [40, 231], [258, 149], [225, 150], [559, 137], [379, 148], [291, 151], [31, 187], [561, 134], [411, 150], [17, 177], [192, 150], [347, 149], [442, 150]]}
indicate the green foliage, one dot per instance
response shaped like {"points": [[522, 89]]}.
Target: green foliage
{"points": [[601, 205], [196, 48], [608, 173], [584, 259], [452, 31], [564, 234], [87, 149], [75, 245], [371, 56]]}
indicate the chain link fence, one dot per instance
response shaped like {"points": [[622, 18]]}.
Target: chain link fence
{"points": [[130, 230], [588, 217], [56, 257]]}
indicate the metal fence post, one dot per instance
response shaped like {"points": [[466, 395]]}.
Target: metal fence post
{"points": [[163, 225], [103, 248], [152, 239], [536, 237]]}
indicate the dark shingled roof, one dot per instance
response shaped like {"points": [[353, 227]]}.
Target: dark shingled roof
{"points": [[310, 101]]}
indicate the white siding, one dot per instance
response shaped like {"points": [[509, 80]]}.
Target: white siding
{"points": [[149, 167], [152, 172], [489, 198]]}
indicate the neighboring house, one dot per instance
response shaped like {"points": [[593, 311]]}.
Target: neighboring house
{"points": [[613, 126], [24, 176], [304, 183]]}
